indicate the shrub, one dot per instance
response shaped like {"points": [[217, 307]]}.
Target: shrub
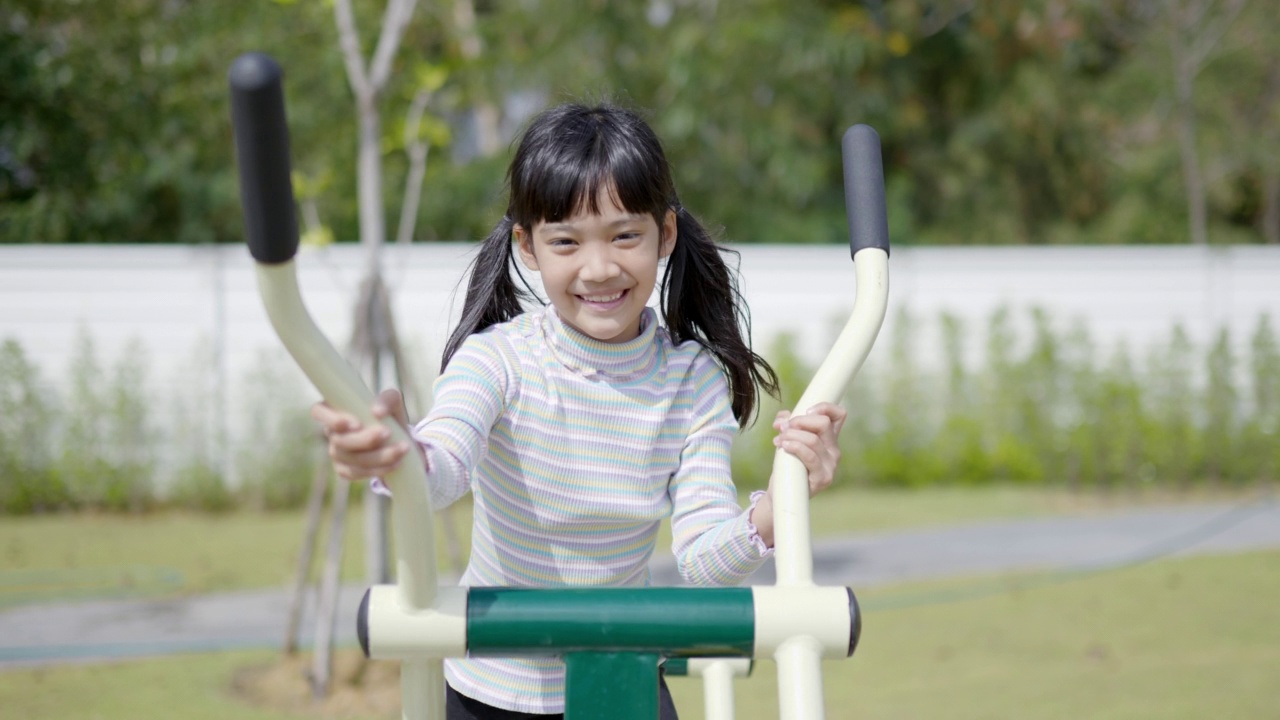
{"points": [[107, 443], [28, 482], [277, 453]]}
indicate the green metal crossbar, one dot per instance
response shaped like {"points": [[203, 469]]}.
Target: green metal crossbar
{"points": [[611, 639]]}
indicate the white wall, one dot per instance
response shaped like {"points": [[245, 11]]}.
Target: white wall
{"points": [[173, 298], [199, 305]]}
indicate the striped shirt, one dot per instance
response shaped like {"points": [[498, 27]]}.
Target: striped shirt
{"points": [[574, 451]]}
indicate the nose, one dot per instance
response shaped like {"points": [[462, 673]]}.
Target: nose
{"points": [[599, 265]]}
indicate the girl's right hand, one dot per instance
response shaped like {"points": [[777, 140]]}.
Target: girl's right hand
{"points": [[359, 451]]}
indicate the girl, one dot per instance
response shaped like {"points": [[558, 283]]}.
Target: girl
{"points": [[580, 425]]}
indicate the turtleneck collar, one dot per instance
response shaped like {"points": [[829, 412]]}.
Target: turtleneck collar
{"points": [[588, 356]]}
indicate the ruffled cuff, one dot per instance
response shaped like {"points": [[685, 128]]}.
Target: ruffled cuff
{"points": [[753, 534], [379, 487]]}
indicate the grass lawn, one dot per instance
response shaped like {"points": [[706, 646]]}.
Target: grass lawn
{"points": [[56, 557], [1187, 638], [1192, 638]]}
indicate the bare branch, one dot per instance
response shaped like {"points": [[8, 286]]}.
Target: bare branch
{"points": [[349, 41], [464, 19], [417, 149], [937, 19], [1128, 20], [394, 22], [1204, 43]]}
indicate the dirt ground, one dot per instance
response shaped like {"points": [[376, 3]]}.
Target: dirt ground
{"points": [[361, 688]]}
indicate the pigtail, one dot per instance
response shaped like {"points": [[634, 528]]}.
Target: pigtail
{"points": [[492, 295], [701, 301]]}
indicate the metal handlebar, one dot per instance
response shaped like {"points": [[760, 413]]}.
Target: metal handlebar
{"points": [[266, 191]]}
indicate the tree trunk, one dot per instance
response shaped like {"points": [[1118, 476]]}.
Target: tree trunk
{"points": [[485, 115], [330, 589], [1271, 206], [1192, 179], [371, 350], [372, 227], [417, 149], [315, 508]]}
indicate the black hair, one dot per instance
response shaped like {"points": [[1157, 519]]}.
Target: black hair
{"points": [[569, 153]]}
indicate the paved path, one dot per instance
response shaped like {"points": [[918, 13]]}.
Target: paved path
{"points": [[97, 630]]}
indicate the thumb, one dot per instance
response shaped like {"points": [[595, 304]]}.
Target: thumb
{"points": [[393, 401]]}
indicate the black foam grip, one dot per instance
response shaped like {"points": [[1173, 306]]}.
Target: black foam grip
{"points": [[362, 622], [262, 151], [864, 189], [855, 622]]}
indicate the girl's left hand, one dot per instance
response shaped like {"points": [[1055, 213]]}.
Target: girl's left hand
{"points": [[812, 439]]}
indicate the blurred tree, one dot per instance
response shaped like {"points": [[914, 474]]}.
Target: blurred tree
{"points": [[113, 121], [1244, 89], [1002, 121], [1177, 48]]}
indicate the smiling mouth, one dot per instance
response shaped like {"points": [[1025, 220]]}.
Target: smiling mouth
{"points": [[604, 300]]}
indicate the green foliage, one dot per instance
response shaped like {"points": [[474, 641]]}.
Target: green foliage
{"points": [[277, 460], [99, 445], [106, 458], [753, 453], [114, 120], [27, 479], [1029, 122], [1047, 412], [1172, 440], [1040, 409], [199, 485], [196, 438], [1260, 436], [1220, 408]]}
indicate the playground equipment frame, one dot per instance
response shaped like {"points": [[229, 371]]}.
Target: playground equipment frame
{"points": [[612, 639]]}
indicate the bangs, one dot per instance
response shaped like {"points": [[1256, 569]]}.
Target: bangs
{"points": [[569, 155]]}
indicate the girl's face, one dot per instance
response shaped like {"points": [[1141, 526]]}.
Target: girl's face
{"points": [[599, 270]]}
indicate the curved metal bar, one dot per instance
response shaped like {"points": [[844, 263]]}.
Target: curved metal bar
{"points": [[262, 143], [799, 657]]}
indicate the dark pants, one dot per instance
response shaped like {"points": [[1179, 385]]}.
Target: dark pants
{"points": [[461, 707]]}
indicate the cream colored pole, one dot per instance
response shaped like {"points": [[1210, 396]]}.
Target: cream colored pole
{"points": [[266, 191], [717, 685], [799, 657], [794, 555], [422, 680]]}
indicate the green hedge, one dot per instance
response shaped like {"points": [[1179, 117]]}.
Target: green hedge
{"points": [[111, 441], [1044, 407], [1047, 407]]}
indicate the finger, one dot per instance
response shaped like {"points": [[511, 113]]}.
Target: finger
{"points": [[780, 420], [386, 403], [837, 414], [382, 461], [799, 439], [346, 472], [810, 457], [365, 439], [390, 404], [332, 419], [816, 423]]}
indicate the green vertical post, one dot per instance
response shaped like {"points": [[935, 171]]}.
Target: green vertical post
{"points": [[611, 686]]}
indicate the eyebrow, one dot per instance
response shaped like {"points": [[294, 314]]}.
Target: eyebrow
{"points": [[566, 227]]}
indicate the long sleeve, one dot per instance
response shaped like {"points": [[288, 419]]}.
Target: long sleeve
{"points": [[470, 395], [713, 539]]}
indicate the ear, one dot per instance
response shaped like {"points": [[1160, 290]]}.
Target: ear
{"points": [[524, 242], [669, 234]]}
